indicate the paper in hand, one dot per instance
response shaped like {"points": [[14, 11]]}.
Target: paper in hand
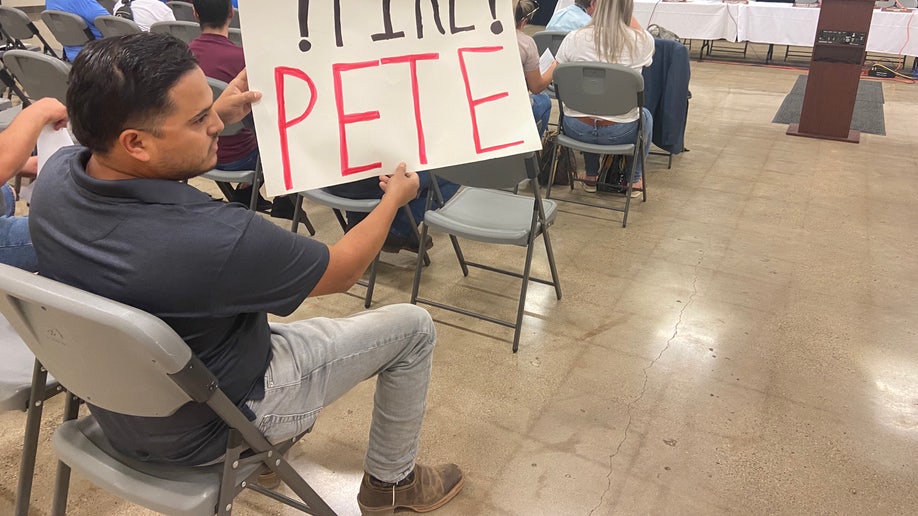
{"points": [[545, 61], [49, 141]]}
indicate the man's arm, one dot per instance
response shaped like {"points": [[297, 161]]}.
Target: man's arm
{"points": [[19, 139], [350, 257]]}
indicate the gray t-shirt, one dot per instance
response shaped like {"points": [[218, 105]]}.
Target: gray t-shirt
{"points": [[210, 270]]}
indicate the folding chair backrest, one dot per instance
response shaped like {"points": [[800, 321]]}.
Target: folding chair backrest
{"points": [[107, 353], [497, 173], [111, 26], [69, 29], [234, 23], [16, 24], [600, 89], [549, 40], [183, 30], [235, 35], [40, 75], [109, 5], [183, 11]]}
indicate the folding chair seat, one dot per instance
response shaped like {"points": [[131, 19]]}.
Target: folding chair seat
{"points": [[183, 11], [128, 361], [339, 205], [24, 386], [601, 89], [40, 75], [183, 30], [19, 27], [68, 29], [486, 212], [111, 26]]}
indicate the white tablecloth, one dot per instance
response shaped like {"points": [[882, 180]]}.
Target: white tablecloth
{"points": [[780, 24]]}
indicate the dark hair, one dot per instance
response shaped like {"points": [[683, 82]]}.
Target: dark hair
{"points": [[124, 82], [213, 14]]}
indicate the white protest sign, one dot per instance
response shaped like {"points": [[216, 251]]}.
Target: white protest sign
{"points": [[353, 87]]}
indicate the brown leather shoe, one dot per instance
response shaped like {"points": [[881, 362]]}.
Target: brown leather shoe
{"points": [[268, 480], [431, 488]]}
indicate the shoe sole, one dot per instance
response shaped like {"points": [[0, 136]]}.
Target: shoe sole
{"points": [[366, 511]]}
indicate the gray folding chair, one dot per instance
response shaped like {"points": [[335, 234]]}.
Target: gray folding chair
{"points": [[235, 35], [24, 386], [19, 27], [128, 361], [109, 5], [339, 205], [601, 89], [40, 75], [112, 26], [234, 23], [183, 11], [68, 29], [183, 30], [487, 213], [549, 40]]}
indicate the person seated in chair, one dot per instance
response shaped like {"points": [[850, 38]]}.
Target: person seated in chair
{"points": [[144, 12], [117, 219], [615, 37], [536, 81], [221, 59], [18, 141], [402, 234], [88, 10], [573, 16]]}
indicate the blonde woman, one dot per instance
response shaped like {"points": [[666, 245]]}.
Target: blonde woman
{"points": [[536, 81], [614, 36]]}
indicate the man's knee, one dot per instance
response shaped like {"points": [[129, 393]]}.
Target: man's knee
{"points": [[414, 319]]}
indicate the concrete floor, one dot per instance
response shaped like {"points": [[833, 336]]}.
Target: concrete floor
{"points": [[746, 345]]}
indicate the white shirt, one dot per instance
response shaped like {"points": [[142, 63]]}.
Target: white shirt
{"points": [[579, 46], [148, 12]]}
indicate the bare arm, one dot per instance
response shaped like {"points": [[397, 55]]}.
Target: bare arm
{"points": [[351, 256], [19, 139], [635, 24], [537, 81]]}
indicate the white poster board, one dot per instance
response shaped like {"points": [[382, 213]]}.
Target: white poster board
{"points": [[353, 87]]}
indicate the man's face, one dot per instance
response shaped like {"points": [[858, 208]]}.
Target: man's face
{"points": [[185, 142]]}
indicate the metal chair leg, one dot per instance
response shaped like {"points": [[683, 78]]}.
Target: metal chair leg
{"points": [[62, 478]]}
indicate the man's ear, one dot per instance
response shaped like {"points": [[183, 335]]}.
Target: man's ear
{"points": [[135, 144]]}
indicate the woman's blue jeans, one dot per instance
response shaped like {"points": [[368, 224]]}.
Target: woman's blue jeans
{"points": [[615, 134]]}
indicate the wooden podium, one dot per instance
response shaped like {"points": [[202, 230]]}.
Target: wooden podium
{"points": [[835, 71]]}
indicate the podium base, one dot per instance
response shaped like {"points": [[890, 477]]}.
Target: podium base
{"points": [[853, 136]]}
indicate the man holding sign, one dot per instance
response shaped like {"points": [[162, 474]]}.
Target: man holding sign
{"points": [[115, 218]]}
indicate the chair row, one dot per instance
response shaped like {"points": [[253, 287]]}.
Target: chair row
{"points": [[71, 30]]}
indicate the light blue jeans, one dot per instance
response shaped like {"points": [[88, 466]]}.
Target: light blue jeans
{"points": [[317, 360], [615, 134], [15, 242], [541, 110]]}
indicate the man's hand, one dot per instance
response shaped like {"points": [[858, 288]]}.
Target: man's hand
{"points": [[51, 112], [236, 101], [402, 186]]}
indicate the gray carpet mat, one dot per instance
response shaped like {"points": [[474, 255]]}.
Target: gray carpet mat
{"points": [[868, 107]]}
